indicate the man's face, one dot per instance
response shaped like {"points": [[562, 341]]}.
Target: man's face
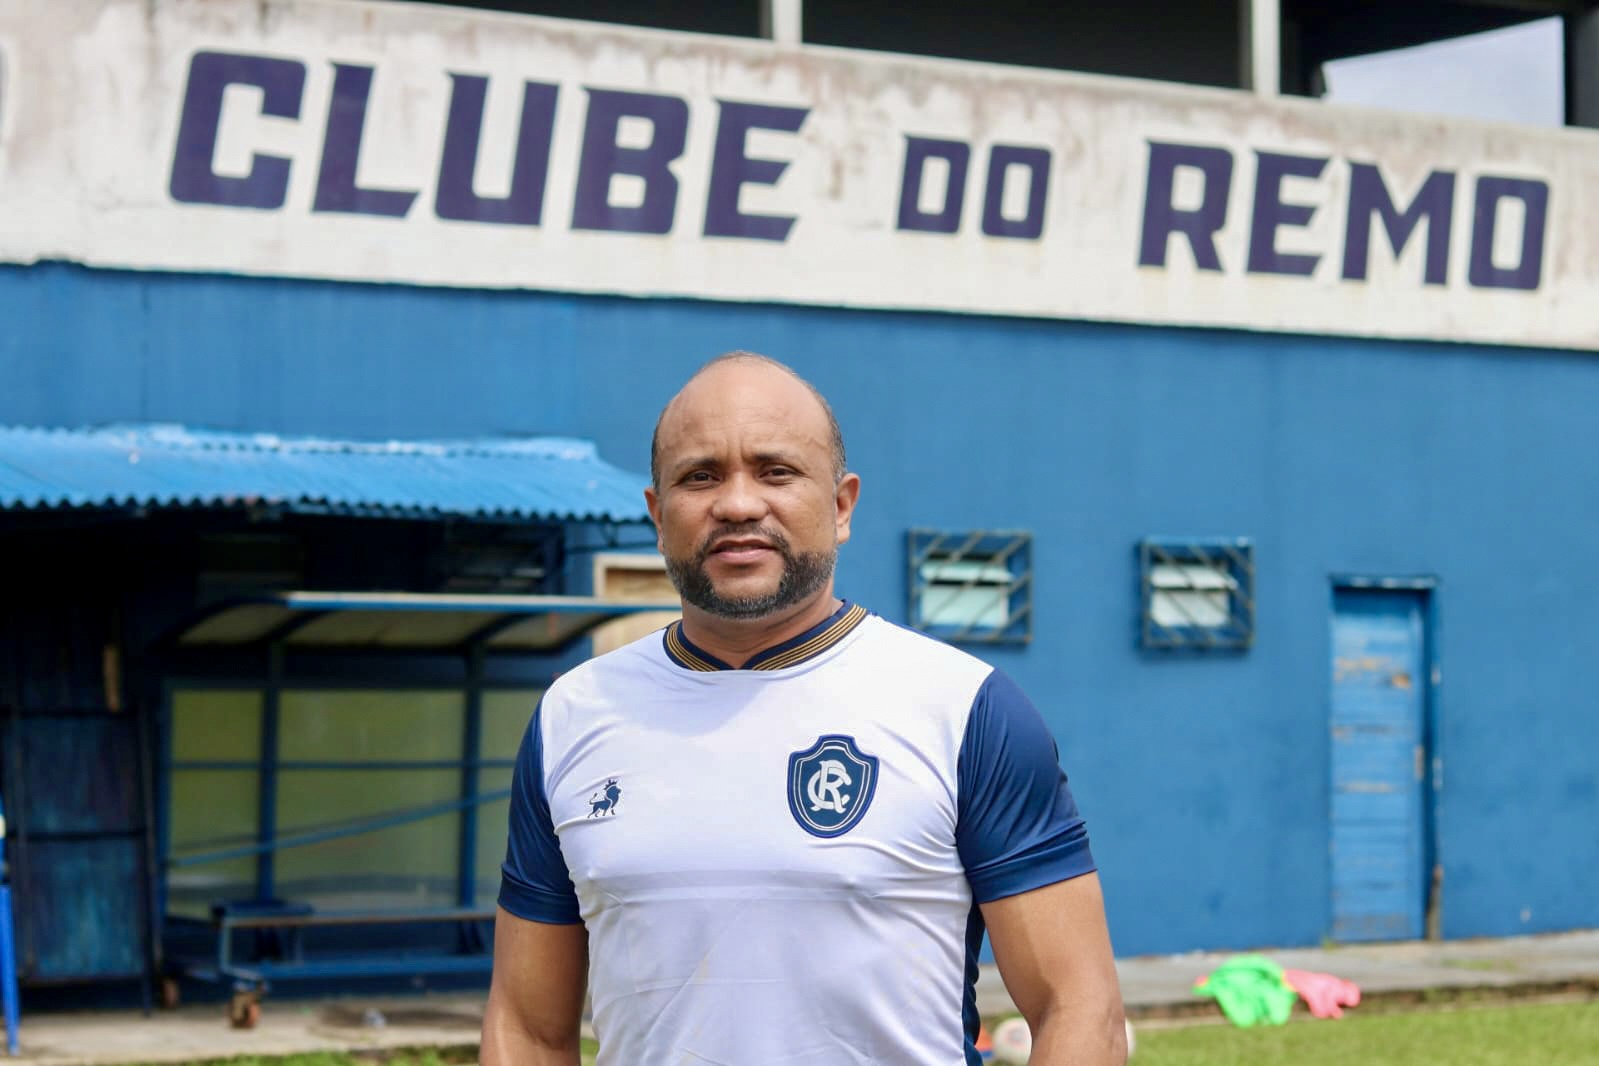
{"points": [[747, 513]]}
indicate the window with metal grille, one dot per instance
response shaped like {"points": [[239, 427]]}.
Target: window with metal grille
{"points": [[1197, 593], [972, 587]]}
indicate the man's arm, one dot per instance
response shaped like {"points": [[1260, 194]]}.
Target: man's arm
{"points": [[1053, 951], [541, 947], [536, 997]]}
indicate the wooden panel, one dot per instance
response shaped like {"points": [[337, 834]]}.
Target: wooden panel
{"points": [[640, 577]]}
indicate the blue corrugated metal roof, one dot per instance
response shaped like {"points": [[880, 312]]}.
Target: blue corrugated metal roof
{"points": [[172, 466]]}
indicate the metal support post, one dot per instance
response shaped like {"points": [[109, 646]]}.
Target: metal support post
{"points": [[471, 743], [782, 21], [267, 816], [1261, 54], [1582, 68], [8, 949]]}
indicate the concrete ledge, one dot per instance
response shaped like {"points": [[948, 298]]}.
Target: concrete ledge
{"points": [[1404, 974]]}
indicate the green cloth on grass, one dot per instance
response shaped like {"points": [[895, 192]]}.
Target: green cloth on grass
{"points": [[1250, 990]]}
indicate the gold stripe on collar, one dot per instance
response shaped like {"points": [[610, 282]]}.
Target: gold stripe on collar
{"points": [[675, 645], [817, 644]]}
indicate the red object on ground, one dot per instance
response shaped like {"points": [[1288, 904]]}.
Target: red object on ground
{"points": [[1325, 994], [984, 1041]]}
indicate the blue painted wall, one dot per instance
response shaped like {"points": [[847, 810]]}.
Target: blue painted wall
{"points": [[1205, 779]]}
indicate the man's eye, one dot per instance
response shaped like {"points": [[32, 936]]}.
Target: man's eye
{"points": [[779, 471], [700, 476]]}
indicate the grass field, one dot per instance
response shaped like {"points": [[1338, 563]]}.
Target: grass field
{"points": [[1553, 1034], [1564, 1034]]}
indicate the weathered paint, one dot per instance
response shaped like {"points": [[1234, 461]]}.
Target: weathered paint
{"points": [[420, 144], [78, 844], [1379, 765]]}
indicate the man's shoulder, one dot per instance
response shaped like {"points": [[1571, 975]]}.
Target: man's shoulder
{"points": [[900, 640], [629, 664], [911, 655]]}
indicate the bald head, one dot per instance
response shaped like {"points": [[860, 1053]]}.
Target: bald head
{"points": [[706, 378]]}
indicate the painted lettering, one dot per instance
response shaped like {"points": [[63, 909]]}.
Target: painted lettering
{"points": [[602, 159], [336, 190], [194, 178], [456, 197], [1036, 162], [1271, 213], [731, 170], [1368, 197], [947, 219], [1162, 217], [1528, 271]]}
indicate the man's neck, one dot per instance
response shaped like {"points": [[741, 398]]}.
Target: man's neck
{"points": [[737, 641]]}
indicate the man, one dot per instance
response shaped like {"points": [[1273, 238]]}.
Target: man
{"points": [[775, 831]]}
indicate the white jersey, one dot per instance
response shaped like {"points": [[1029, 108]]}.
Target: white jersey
{"points": [[781, 863]]}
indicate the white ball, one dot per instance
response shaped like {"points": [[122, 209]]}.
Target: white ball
{"points": [[1132, 1041], [1013, 1041]]}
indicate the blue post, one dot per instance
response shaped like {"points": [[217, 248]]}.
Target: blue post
{"points": [[267, 812], [8, 948], [472, 741]]}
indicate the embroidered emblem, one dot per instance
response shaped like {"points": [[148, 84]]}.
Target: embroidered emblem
{"points": [[830, 785], [604, 802]]}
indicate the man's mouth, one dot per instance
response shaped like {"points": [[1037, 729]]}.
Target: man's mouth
{"points": [[741, 549]]}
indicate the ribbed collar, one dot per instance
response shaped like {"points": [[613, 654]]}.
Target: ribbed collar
{"points": [[802, 648]]}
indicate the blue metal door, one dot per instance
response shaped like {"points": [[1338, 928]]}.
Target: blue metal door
{"points": [[1379, 765]]}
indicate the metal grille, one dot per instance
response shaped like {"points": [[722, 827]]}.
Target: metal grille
{"points": [[972, 587], [1197, 593]]}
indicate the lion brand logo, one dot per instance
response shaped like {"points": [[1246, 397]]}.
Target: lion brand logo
{"points": [[830, 785], [605, 799]]}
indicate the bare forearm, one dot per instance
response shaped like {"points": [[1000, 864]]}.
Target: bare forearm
{"points": [[535, 1006], [1077, 1034], [507, 1042], [1054, 953]]}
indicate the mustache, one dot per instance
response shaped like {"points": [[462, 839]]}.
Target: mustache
{"points": [[771, 536]]}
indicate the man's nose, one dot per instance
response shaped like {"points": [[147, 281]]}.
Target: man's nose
{"points": [[740, 500]]}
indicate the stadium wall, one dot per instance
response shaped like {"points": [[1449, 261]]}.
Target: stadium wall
{"points": [[1205, 777]]}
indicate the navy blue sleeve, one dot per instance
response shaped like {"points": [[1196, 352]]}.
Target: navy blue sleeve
{"points": [[534, 882], [1017, 827]]}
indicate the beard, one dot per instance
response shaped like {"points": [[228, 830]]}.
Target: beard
{"points": [[804, 574]]}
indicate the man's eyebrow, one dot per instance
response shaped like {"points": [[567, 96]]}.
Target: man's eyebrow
{"points": [[787, 458], [702, 462], [694, 462]]}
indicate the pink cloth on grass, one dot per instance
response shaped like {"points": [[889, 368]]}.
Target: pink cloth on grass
{"points": [[1325, 994]]}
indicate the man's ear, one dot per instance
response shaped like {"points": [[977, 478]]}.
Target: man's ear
{"points": [[845, 496], [652, 500]]}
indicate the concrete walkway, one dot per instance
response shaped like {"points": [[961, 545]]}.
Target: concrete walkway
{"points": [[1153, 987], [201, 1033], [1411, 972]]}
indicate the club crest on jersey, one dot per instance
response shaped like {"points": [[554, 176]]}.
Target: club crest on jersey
{"points": [[830, 785]]}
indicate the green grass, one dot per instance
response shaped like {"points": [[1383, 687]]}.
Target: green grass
{"points": [[1556, 1034], [1549, 1034]]}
